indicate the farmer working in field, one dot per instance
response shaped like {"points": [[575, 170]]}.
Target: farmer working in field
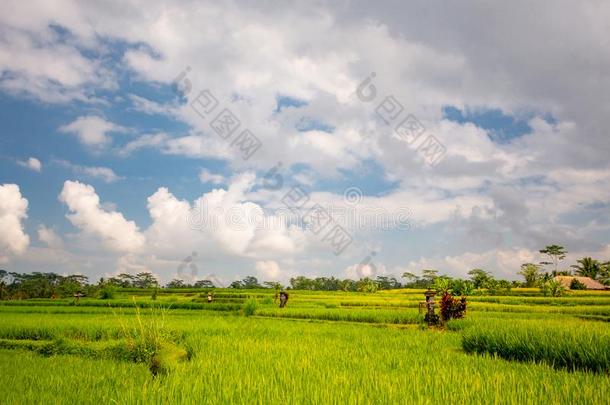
{"points": [[283, 299], [210, 298]]}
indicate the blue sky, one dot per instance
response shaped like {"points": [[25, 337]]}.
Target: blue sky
{"points": [[103, 165]]}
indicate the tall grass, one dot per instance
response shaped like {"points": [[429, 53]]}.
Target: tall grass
{"points": [[256, 360], [572, 345]]}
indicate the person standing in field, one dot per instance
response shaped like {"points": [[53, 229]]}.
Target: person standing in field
{"points": [[210, 298], [283, 299]]}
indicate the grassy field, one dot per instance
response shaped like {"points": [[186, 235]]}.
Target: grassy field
{"points": [[325, 347]]}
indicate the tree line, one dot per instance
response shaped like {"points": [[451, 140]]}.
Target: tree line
{"points": [[47, 285]]}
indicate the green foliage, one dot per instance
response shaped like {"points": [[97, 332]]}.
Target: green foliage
{"points": [[531, 273], [479, 277], [577, 285], [250, 307], [553, 288], [556, 253], [462, 287], [107, 293], [367, 285], [588, 267]]}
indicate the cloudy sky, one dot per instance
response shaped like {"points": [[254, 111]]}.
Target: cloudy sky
{"points": [[345, 138]]}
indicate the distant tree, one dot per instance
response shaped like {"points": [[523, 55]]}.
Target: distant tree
{"points": [[301, 283], [203, 284], [175, 283], [387, 282], [409, 277], [531, 273], [604, 276], [250, 282], [367, 285], [556, 253], [588, 267], [125, 280], [348, 285], [145, 280], [3, 285], [505, 285], [69, 285], [274, 285], [236, 284], [428, 275], [479, 277]]}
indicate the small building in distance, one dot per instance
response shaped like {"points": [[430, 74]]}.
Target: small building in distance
{"points": [[587, 281]]}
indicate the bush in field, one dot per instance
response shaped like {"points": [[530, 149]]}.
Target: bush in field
{"points": [[107, 293], [250, 307], [553, 288], [452, 308], [148, 341], [577, 285], [462, 287]]}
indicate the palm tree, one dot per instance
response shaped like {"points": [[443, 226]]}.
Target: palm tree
{"points": [[588, 267]]}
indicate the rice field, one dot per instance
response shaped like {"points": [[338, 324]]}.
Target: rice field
{"points": [[325, 347]]}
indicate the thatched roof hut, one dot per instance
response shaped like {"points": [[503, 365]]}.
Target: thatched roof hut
{"points": [[587, 281]]}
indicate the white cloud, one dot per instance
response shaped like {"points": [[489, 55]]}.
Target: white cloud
{"points": [[32, 164], [151, 107], [205, 176], [546, 184], [48, 71], [221, 221], [13, 210], [110, 227], [105, 174], [501, 263], [49, 237], [92, 131], [143, 141], [267, 270]]}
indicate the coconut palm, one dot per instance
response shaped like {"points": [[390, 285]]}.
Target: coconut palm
{"points": [[588, 267]]}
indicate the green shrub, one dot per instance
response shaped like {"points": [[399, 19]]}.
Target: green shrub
{"points": [[577, 285], [553, 288], [250, 307], [107, 293]]}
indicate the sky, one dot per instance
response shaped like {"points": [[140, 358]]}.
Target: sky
{"points": [[216, 140]]}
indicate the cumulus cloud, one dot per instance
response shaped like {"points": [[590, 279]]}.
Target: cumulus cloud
{"points": [[49, 237], [503, 263], [549, 183], [13, 210], [220, 219], [32, 164], [268, 270], [92, 131], [115, 232]]}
